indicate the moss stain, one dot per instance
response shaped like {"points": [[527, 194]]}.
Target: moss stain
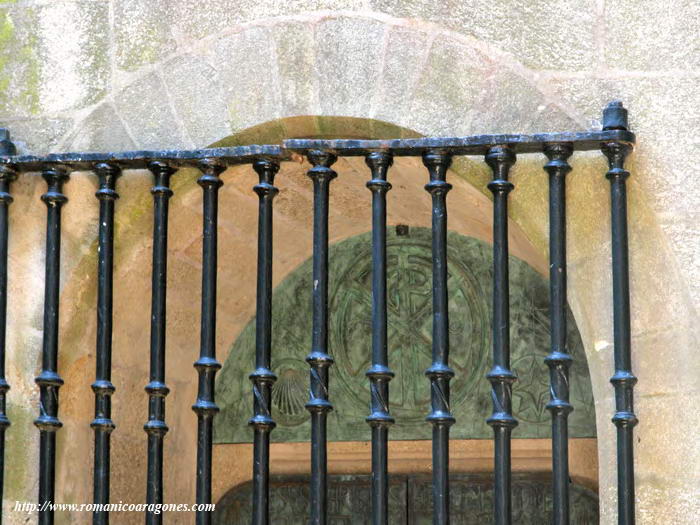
{"points": [[20, 72]]}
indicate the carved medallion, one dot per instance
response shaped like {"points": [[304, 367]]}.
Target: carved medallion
{"points": [[410, 330], [409, 326]]}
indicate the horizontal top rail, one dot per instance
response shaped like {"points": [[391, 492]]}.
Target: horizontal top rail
{"points": [[472, 145], [141, 159]]}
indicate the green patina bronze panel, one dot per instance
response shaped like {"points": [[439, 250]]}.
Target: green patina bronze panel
{"points": [[410, 328], [410, 501]]}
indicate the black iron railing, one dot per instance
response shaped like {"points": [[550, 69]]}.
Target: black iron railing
{"points": [[498, 151]]}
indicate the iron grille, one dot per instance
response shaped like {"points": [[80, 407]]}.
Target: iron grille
{"points": [[499, 152]]}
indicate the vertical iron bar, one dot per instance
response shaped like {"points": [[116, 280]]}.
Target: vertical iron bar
{"points": [[615, 117], [500, 159], [205, 406], [319, 361], [7, 175], [48, 380], [103, 387], [559, 360], [379, 373], [440, 372], [156, 388], [263, 377]]}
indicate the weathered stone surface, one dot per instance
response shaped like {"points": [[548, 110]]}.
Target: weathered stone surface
{"points": [[667, 411], [551, 118], [406, 52], [197, 96], [102, 130], [566, 28], [684, 236], [145, 108], [193, 19], [37, 135], [201, 18], [51, 57], [19, 63], [294, 49], [452, 82], [651, 35], [658, 501], [142, 32], [245, 63], [349, 56], [74, 53], [510, 104]]}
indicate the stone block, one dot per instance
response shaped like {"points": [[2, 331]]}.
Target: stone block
{"points": [[142, 32], [294, 48], [19, 62], [662, 111], [669, 452], [194, 19], [406, 51], [247, 70], [652, 35], [664, 360], [198, 98], [552, 118], [510, 104], [452, 82], [74, 51], [349, 57], [145, 109], [541, 34], [37, 135], [684, 237], [102, 130], [51, 57], [662, 500]]}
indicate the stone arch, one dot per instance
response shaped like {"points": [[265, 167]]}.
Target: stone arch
{"points": [[409, 72]]}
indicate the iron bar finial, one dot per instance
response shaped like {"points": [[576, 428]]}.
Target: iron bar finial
{"points": [[7, 147], [615, 116]]}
